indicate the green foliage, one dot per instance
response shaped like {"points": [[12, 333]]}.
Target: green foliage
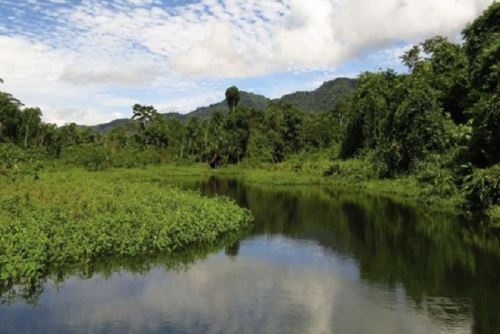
{"points": [[418, 126], [232, 97], [485, 142], [438, 180], [10, 118], [77, 217], [351, 171], [353, 139], [144, 114], [397, 116], [90, 156], [482, 189], [17, 163], [372, 109], [94, 157], [412, 57], [482, 46], [324, 99]]}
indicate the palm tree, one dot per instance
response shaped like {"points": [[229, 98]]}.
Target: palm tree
{"points": [[412, 58]]}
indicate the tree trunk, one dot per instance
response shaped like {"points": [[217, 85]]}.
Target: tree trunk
{"points": [[27, 131]]}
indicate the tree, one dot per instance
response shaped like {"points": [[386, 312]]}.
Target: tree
{"points": [[232, 97], [448, 75], [144, 114], [373, 104], [485, 141], [412, 58], [482, 47], [69, 134], [31, 119], [430, 45], [418, 124], [156, 132], [10, 118]]}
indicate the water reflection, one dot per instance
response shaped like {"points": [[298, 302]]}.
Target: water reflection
{"points": [[318, 261]]}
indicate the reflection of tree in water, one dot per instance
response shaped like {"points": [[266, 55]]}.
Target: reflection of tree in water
{"points": [[232, 250], [447, 267], [106, 267]]}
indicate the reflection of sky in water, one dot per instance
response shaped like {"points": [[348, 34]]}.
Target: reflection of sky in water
{"points": [[274, 285]]}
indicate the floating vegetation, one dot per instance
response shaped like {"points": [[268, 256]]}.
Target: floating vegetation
{"points": [[67, 218]]}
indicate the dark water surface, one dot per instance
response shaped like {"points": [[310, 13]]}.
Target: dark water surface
{"points": [[316, 261]]}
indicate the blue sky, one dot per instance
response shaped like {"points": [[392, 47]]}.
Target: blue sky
{"points": [[89, 61]]}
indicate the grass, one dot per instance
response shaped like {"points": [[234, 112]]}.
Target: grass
{"points": [[78, 216]]}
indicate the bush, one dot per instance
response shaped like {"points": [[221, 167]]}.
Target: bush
{"points": [[93, 157], [438, 180], [16, 162], [482, 189], [352, 170]]}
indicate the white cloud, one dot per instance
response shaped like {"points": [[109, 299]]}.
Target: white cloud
{"points": [[318, 33]]}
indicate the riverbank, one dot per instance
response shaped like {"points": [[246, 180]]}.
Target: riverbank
{"points": [[77, 216], [353, 176]]}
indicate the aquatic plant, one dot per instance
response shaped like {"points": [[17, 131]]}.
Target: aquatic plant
{"points": [[75, 218]]}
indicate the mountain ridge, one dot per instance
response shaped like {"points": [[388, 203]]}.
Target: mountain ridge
{"points": [[324, 98]]}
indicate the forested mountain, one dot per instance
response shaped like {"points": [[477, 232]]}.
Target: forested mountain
{"points": [[110, 125], [105, 127], [325, 98], [248, 100]]}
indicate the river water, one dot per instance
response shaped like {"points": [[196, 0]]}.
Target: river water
{"points": [[317, 260]]}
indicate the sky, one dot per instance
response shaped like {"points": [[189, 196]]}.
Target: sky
{"points": [[89, 61]]}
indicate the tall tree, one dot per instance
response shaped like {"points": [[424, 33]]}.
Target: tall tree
{"points": [[232, 97], [31, 119], [144, 114]]}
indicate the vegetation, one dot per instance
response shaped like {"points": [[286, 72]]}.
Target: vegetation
{"points": [[73, 217], [326, 97]]}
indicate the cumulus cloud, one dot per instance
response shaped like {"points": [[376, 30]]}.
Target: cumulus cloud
{"points": [[317, 33], [58, 51]]}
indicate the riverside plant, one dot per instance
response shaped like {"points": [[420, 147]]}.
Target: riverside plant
{"points": [[78, 218]]}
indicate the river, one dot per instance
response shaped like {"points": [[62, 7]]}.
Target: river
{"points": [[317, 260]]}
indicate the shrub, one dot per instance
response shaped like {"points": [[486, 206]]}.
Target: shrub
{"points": [[482, 189], [93, 157], [16, 162]]}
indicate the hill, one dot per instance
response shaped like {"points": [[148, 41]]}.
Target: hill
{"points": [[249, 100], [322, 99]]}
